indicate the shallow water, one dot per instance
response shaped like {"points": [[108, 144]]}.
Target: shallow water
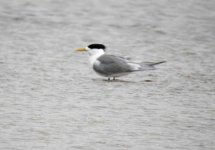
{"points": [[51, 99]]}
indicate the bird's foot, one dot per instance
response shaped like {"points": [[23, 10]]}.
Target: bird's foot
{"points": [[114, 79]]}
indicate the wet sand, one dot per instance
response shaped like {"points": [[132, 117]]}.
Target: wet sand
{"points": [[51, 99]]}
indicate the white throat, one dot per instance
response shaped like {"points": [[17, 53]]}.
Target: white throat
{"points": [[94, 54]]}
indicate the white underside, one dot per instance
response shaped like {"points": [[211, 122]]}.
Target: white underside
{"points": [[114, 75]]}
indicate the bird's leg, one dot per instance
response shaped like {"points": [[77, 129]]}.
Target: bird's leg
{"points": [[108, 79], [114, 78]]}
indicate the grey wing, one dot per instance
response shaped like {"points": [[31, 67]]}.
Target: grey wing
{"points": [[125, 58], [110, 64]]}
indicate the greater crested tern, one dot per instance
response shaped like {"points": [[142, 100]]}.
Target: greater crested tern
{"points": [[112, 66]]}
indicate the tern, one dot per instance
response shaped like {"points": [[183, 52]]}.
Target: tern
{"points": [[112, 66]]}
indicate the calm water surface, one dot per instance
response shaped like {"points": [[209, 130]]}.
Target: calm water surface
{"points": [[50, 99]]}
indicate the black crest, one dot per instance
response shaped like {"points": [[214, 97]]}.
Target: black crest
{"points": [[97, 46]]}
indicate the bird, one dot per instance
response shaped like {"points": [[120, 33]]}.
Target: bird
{"points": [[112, 66]]}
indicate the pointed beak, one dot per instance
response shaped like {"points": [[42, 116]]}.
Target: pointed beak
{"points": [[81, 49]]}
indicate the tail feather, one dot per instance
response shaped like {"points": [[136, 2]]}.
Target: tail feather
{"points": [[154, 63], [150, 65]]}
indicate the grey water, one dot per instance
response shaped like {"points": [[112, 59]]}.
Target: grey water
{"points": [[51, 99]]}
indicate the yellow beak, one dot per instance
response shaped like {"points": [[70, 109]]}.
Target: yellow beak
{"points": [[81, 49]]}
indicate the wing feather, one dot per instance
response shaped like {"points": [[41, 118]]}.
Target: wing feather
{"points": [[110, 64]]}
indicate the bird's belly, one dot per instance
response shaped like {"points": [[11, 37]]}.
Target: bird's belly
{"points": [[119, 74], [113, 75]]}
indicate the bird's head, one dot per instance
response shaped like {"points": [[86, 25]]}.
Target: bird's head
{"points": [[93, 49]]}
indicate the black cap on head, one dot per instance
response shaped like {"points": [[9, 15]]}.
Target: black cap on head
{"points": [[97, 46]]}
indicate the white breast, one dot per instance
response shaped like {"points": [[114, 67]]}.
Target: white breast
{"points": [[94, 55]]}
